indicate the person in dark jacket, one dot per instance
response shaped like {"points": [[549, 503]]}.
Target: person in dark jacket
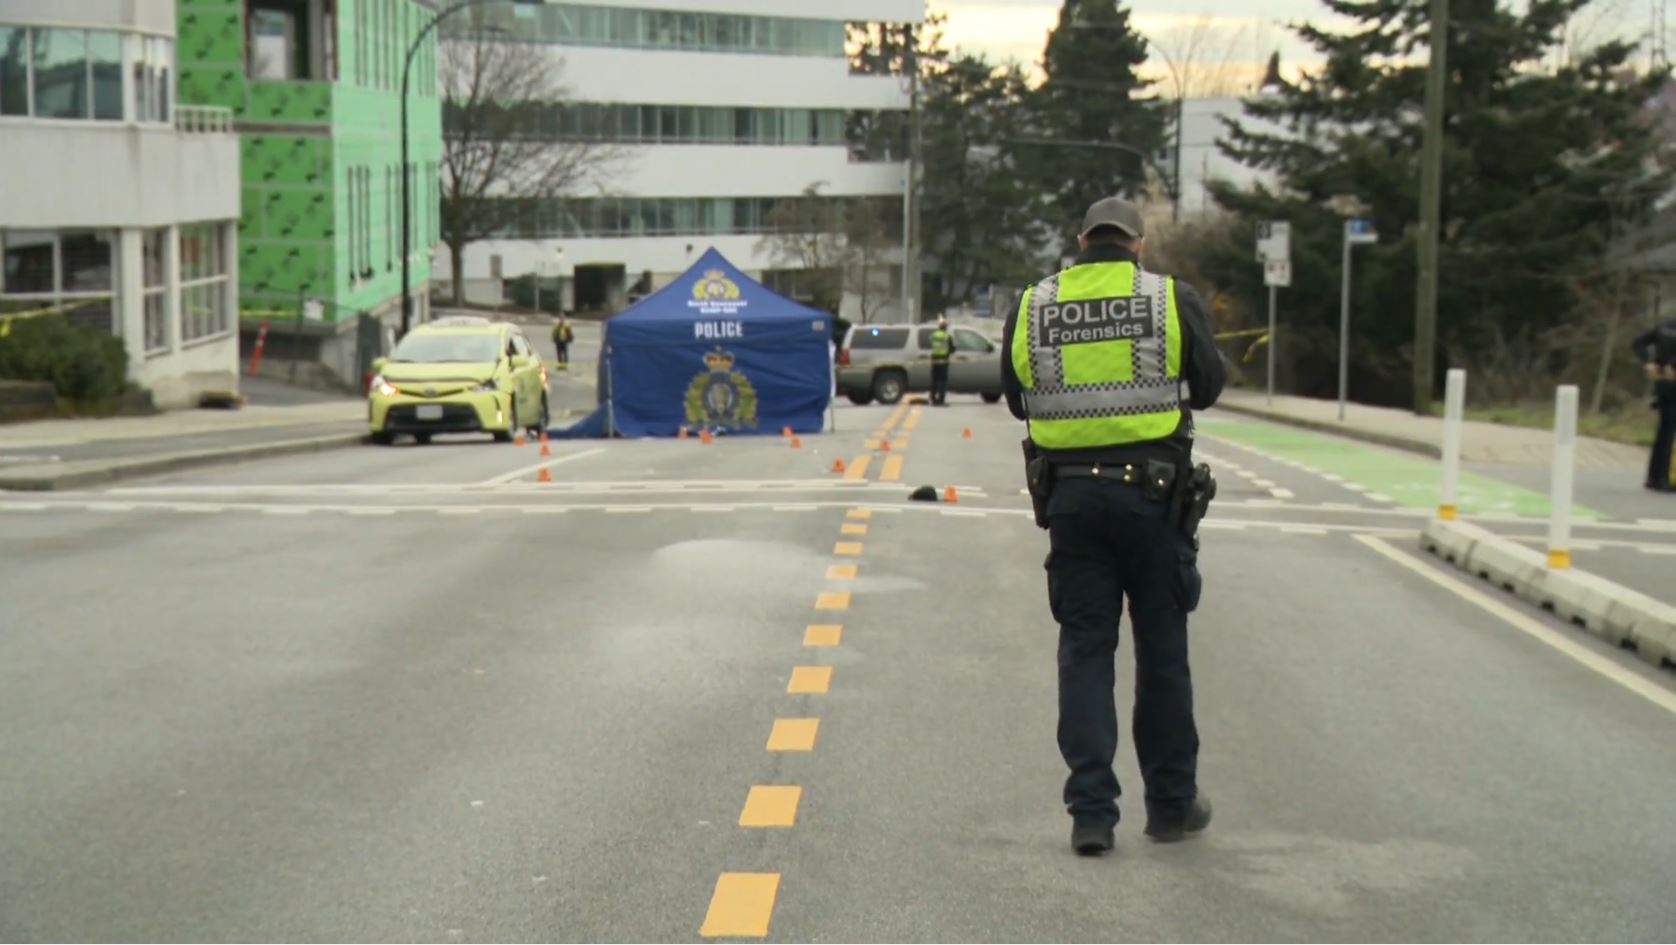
{"points": [[1106, 362], [1656, 348]]}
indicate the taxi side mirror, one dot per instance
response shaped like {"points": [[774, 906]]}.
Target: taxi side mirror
{"points": [[520, 362], [378, 365]]}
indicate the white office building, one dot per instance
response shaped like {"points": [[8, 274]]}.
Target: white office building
{"points": [[723, 109], [118, 209]]}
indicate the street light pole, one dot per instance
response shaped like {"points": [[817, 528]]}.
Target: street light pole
{"points": [[407, 192], [1431, 211]]}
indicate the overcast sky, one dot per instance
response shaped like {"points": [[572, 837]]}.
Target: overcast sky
{"points": [[1017, 29]]}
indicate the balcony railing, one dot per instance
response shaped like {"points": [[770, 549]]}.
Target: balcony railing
{"points": [[204, 119]]}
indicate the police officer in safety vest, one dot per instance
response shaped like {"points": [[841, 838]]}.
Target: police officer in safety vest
{"points": [[1106, 362], [941, 347]]}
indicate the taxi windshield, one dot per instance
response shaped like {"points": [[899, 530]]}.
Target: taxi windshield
{"points": [[429, 348]]}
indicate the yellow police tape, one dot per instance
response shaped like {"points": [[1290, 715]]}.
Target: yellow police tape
{"points": [[1250, 352], [7, 319]]}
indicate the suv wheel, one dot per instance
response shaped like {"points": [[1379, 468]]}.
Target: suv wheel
{"points": [[505, 436], [861, 400], [992, 398], [889, 386]]}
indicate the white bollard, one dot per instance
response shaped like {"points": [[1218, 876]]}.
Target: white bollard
{"points": [[1454, 410], [1565, 457]]}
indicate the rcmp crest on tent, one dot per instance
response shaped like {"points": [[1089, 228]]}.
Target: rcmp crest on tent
{"points": [[715, 294], [721, 396]]}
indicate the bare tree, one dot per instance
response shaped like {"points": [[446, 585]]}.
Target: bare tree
{"points": [[1207, 58], [845, 247], [504, 151]]}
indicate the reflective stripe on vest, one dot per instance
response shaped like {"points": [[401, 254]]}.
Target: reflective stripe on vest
{"points": [[1138, 395]]}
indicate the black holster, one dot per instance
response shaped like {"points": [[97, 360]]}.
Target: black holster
{"points": [[1038, 479], [1196, 492]]}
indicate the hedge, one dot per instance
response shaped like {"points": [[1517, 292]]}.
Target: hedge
{"points": [[83, 365]]}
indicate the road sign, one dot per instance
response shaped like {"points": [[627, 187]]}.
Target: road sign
{"points": [[1277, 273], [1274, 240], [1360, 231]]}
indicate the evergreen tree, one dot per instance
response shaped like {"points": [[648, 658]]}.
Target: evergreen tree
{"points": [[1542, 167], [980, 215], [1100, 129]]}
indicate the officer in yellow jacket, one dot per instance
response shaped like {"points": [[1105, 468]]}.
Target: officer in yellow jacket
{"points": [[1107, 361]]}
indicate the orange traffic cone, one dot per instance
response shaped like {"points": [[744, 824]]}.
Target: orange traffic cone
{"points": [[796, 442], [838, 465], [950, 495], [884, 445], [681, 435], [546, 446], [545, 475], [519, 439], [704, 436], [785, 431], [967, 433]]}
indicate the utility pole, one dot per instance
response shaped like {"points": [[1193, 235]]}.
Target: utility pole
{"points": [[910, 239], [1431, 210]]}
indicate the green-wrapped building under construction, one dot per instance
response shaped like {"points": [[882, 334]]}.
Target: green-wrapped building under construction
{"points": [[314, 86]]}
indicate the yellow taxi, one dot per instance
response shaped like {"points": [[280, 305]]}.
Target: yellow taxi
{"points": [[458, 375]]}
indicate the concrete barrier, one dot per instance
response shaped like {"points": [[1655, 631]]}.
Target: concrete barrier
{"points": [[1610, 611]]}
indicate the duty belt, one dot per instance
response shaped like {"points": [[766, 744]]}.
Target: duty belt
{"points": [[1128, 473]]}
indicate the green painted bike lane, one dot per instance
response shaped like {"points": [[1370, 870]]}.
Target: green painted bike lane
{"points": [[1409, 480]]}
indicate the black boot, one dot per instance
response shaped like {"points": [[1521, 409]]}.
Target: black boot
{"points": [[1174, 829], [1091, 839]]}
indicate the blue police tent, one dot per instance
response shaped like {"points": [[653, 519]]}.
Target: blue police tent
{"points": [[714, 349]]}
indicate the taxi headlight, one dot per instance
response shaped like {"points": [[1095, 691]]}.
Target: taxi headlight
{"points": [[488, 387], [384, 387]]}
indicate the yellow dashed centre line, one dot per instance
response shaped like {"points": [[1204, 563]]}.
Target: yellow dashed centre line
{"points": [[854, 528], [858, 468], [860, 513], [810, 680], [892, 471], [741, 905], [793, 735], [823, 634], [833, 600], [771, 805], [841, 572], [848, 549], [913, 419]]}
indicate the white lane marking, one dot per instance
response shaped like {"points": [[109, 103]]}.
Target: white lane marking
{"points": [[795, 508], [277, 510], [1380, 497], [1658, 549], [1283, 493], [465, 511], [1331, 477], [1657, 522], [627, 509], [1263, 483], [109, 507], [1658, 695], [1303, 529], [23, 506], [714, 508], [1223, 526], [1245, 474], [545, 509], [372, 511], [964, 513], [1355, 487], [548, 463], [199, 509]]}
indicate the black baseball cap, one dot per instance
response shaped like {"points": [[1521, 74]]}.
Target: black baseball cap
{"points": [[1114, 212]]}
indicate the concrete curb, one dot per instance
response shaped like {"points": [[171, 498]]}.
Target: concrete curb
{"points": [[1610, 611], [1423, 447], [61, 476]]}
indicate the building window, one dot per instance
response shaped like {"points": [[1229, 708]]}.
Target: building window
{"points": [[677, 216], [68, 272], [389, 218], [203, 281], [14, 70], [155, 284], [62, 88], [350, 230], [587, 25], [152, 91], [291, 39]]}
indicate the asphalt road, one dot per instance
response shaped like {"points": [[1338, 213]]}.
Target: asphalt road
{"points": [[412, 693]]}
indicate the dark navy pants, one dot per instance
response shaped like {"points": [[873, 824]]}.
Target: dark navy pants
{"points": [[1110, 544], [1658, 464]]}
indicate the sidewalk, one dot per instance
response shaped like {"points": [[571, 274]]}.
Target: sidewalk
{"points": [[49, 455], [1480, 442]]}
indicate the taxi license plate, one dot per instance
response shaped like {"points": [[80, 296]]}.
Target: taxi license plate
{"points": [[430, 412]]}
